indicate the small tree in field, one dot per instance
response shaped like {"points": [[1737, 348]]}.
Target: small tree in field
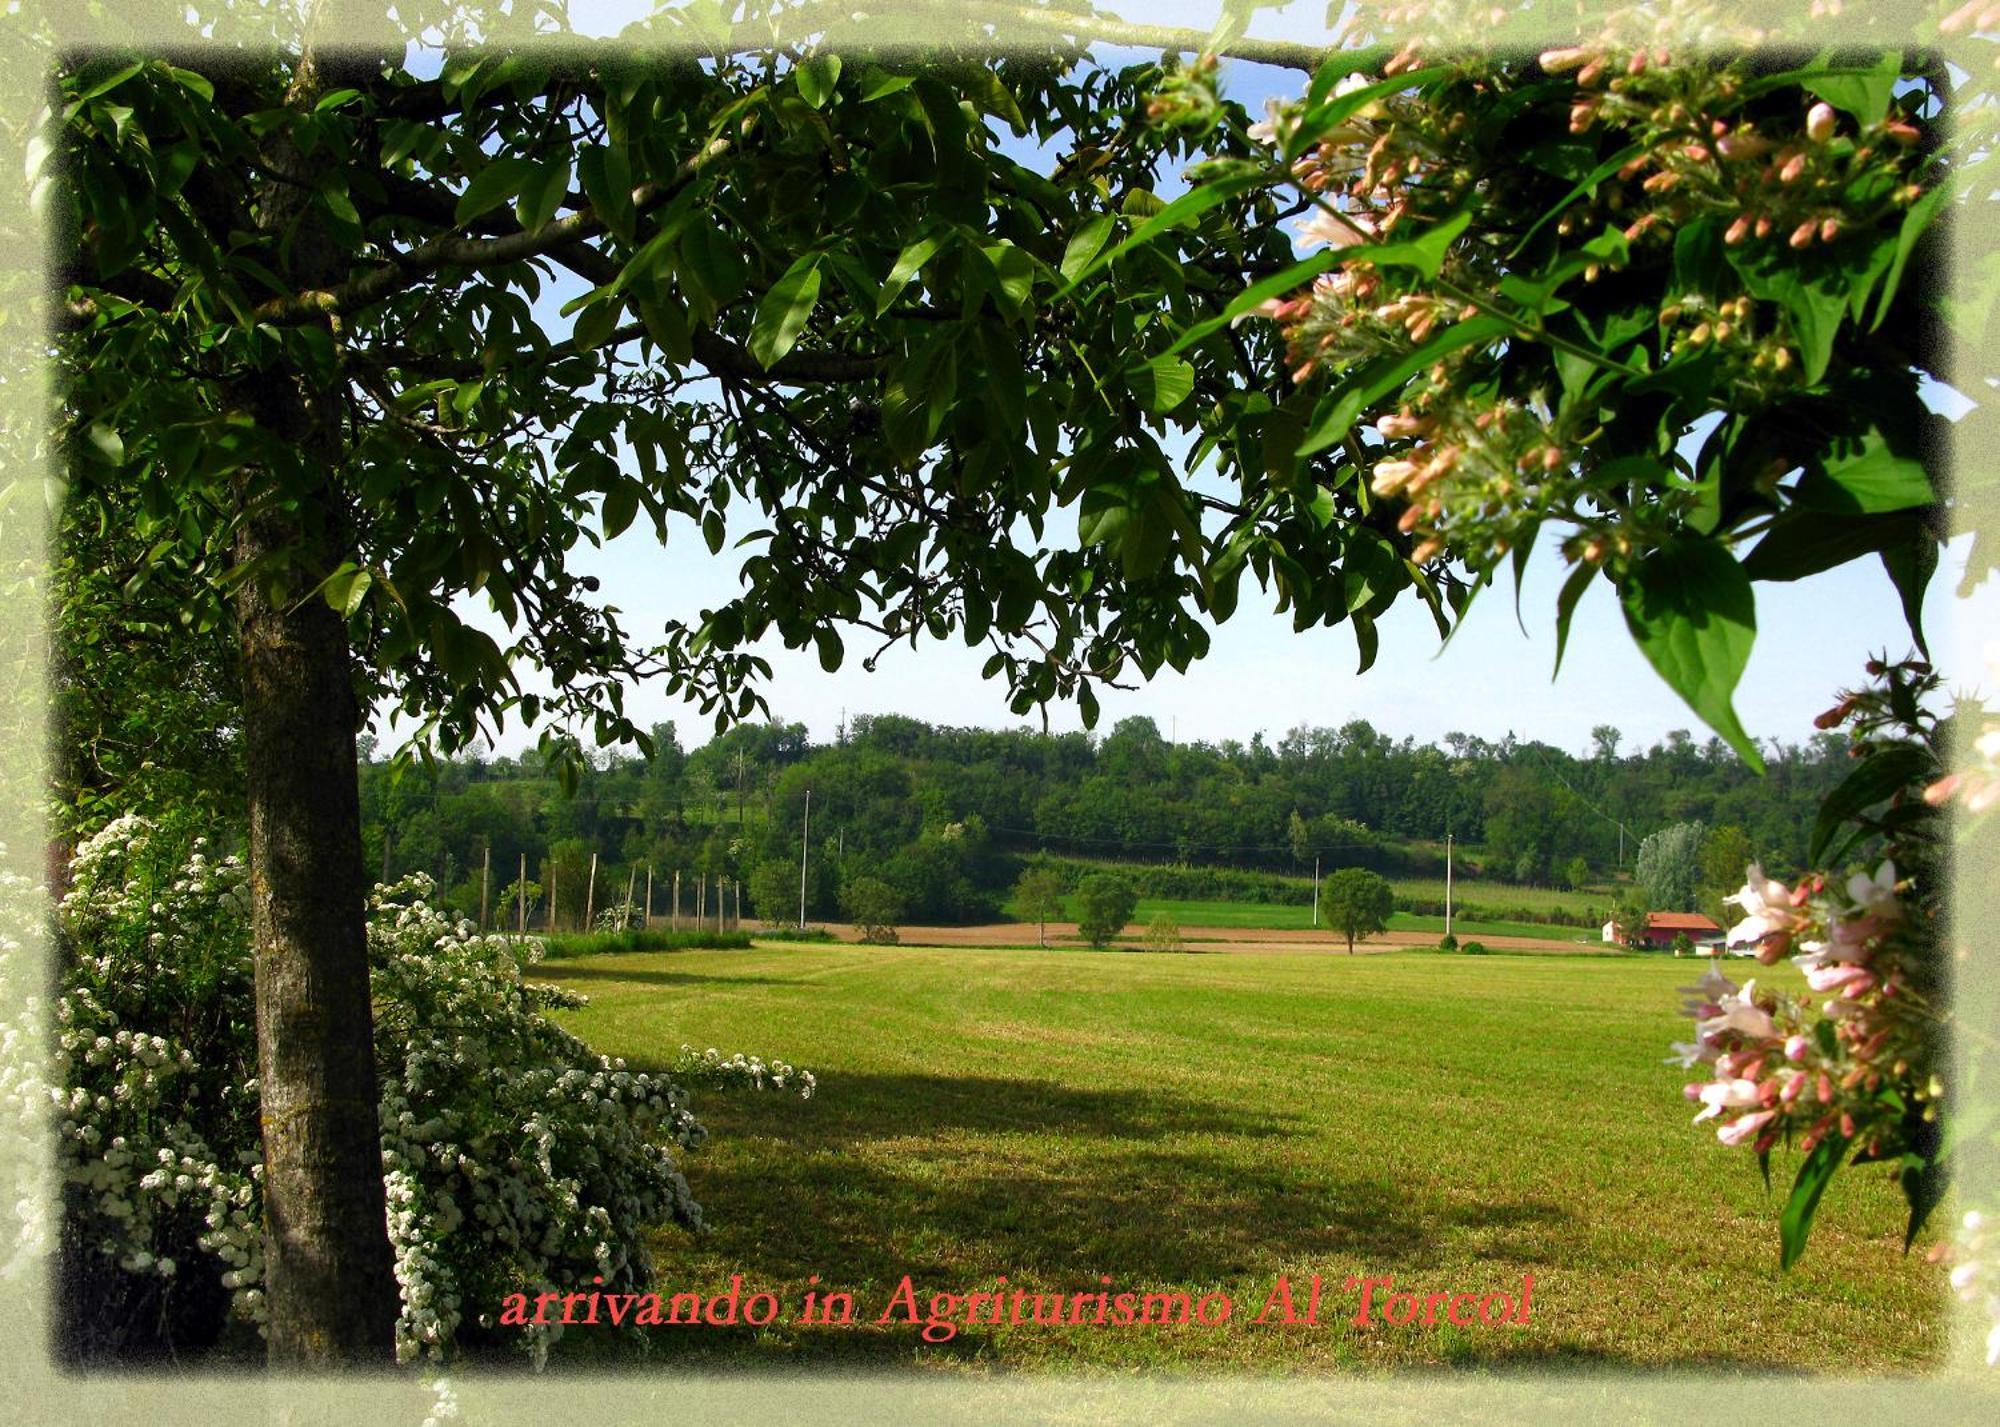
{"points": [[1357, 903], [874, 908], [1039, 896], [1105, 903], [774, 883], [1163, 933]]}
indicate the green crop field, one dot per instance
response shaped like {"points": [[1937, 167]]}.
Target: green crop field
{"points": [[1285, 917], [1207, 1123]]}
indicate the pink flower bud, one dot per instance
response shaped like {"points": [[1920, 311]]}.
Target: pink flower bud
{"points": [[1829, 230], [1819, 122], [1795, 1048], [1743, 146], [1904, 134], [1802, 235], [1794, 168], [1738, 231], [1559, 61]]}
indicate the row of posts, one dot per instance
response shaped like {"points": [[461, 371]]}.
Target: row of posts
{"points": [[727, 894]]}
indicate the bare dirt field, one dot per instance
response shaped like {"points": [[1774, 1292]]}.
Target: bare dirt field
{"points": [[1213, 939]]}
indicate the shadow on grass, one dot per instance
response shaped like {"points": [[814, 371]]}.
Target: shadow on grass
{"points": [[1161, 1189]]}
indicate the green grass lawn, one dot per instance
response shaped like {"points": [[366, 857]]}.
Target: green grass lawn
{"points": [[1206, 1123]]}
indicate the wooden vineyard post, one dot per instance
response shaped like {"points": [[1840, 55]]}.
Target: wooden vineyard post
{"points": [[631, 885], [485, 885], [590, 898], [677, 900], [646, 917], [521, 894]]}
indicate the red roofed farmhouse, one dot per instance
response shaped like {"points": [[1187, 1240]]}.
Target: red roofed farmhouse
{"points": [[1662, 927]]}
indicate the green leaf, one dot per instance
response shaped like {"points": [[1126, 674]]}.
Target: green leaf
{"points": [[108, 444], [606, 177], [1915, 221], [1182, 211], [830, 649], [1344, 404], [784, 310], [1585, 186], [1425, 252], [1085, 244], [1866, 477], [1874, 780], [1013, 275], [1804, 541], [492, 186], [621, 503], [1796, 1220], [1338, 109], [103, 85], [1566, 602], [543, 194], [908, 263], [882, 85], [1254, 296], [1911, 564], [1690, 609], [1815, 302], [1366, 640], [817, 78], [1086, 703], [1862, 92], [1164, 383]]}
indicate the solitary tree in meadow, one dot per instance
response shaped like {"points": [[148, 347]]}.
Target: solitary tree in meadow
{"points": [[1357, 903], [1105, 903], [1038, 896]]}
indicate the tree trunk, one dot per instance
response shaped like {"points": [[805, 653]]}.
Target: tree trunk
{"points": [[329, 1286]]}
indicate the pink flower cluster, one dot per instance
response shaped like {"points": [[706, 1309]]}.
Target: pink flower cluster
{"points": [[1782, 1067]]}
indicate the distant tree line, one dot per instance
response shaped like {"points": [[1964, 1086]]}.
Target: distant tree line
{"points": [[944, 819]]}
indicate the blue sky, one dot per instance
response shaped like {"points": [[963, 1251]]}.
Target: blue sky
{"points": [[1493, 679]]}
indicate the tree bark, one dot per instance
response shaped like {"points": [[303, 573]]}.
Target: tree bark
{"points": [[329, 1284]]}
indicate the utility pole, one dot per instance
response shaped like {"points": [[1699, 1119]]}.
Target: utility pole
{"points": [[805, 833], [1315, 891], [677, 900], [1447, 884], [521, 896], [646, 917]]}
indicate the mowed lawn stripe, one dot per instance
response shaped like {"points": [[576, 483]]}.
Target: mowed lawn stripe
{"points": [[1205, 1123]]}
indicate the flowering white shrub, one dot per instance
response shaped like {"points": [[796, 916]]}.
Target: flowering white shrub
{"points": [[24, 1091], [514, 1157], [711, 1067]]}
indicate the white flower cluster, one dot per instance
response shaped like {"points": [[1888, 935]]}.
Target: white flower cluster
{"points": [[514, 1157], [27, 1231], [711, 1067]]}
